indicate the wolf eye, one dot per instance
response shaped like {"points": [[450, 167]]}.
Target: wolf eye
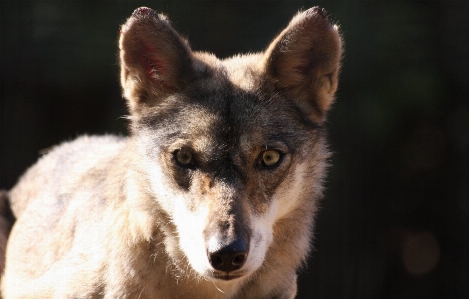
{"points": [[270, 158], [184, 157]]}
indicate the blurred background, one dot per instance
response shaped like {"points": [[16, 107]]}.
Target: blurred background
{"points": [[395, 220]]}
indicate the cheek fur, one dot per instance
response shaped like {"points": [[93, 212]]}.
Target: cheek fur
{"points": [[159, 183], [287, 195], [262, 237], [190, 226], [189, 223], [284, 200]]}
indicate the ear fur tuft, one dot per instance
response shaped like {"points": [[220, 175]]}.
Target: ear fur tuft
{"points": [[155, 60], [303, 61]]}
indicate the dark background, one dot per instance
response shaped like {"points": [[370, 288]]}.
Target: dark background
{"points": [[395, 220]]}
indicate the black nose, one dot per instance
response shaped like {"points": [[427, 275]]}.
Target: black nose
{"points": [[229, 257]]}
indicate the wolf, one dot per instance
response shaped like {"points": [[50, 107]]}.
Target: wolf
{"points": [[214, 192]]}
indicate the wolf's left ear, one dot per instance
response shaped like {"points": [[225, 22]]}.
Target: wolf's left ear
{"points": [[304, 62], [155, 60]]}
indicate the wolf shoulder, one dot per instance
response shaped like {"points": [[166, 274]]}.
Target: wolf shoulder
{"points": [[81, 165]]}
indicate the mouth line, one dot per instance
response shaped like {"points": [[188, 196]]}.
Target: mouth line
{"points": [[226, 276]]}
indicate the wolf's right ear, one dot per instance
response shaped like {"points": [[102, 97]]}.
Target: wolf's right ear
{"points": [[155, 60], [304, 62]]}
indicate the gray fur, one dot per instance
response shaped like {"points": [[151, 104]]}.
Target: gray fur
{"points": [[123, 217]]}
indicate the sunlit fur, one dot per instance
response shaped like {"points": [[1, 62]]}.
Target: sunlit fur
{"points": [[122, 217]]}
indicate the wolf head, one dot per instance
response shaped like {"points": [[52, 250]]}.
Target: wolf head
{"points": [[232, 150]]}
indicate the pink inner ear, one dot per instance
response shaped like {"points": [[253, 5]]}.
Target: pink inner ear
{"points": [[155, 68], [152, 67]]}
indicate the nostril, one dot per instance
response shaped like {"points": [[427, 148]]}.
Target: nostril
{"points": [[230, 257], [239, 259], [216, 261]]}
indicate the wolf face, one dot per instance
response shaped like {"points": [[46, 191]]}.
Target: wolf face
{"points": [[233, 151], [213, 194]]}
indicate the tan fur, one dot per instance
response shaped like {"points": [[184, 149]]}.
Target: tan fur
{"points": [[185, 207]]}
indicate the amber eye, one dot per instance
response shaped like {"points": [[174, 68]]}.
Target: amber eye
{"points": [[184, 157], [270, 158]]}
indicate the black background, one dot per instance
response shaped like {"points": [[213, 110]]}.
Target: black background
{"points": [[395, 220]]}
